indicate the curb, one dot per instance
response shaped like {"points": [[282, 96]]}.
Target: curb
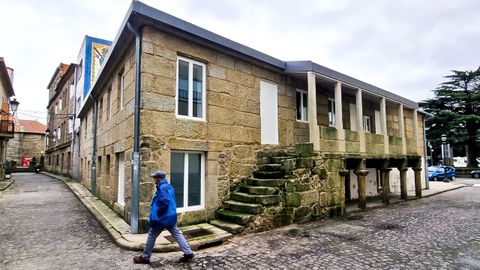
{"points": [[121, 237], [2, 187]]}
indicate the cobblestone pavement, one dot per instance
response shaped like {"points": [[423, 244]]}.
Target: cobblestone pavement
{"points": [[43, 226]]}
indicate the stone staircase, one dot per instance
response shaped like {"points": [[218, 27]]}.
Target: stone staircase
{"points": [[257, 196]]}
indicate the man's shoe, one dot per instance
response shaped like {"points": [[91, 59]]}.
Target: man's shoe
{"points": [[186, 258], [140, 259]]}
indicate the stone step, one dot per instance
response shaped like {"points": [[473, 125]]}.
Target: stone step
{"points": [[227, 226], [268, 174], [254, 198], [251, 208], [270, 167], [234, 217], [258, 190], [266, 182], [280, 159]]}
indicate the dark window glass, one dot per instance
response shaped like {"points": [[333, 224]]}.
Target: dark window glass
{"points": [[177, 176]]}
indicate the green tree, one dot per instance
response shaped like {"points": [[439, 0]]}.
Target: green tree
{"points": [[456, 112]]}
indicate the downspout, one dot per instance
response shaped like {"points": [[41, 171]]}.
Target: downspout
{"points": [[427, 184], [136, 131], [93, 178]]}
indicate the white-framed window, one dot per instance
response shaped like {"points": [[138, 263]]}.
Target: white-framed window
{"points": [[56, 109], [302, 105], [187, 173], [191, 92], [331, 112], [60, 105], [367, 123], [59, 133]]}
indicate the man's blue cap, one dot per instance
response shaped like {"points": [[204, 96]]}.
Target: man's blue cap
{"points": [[159, 174]]}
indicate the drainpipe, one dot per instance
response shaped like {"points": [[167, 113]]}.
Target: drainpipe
{"points": [[427, 184], [93, 178], [136, 131]]}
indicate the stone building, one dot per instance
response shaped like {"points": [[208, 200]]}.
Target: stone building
{"points": [[28, 141], [249, 142], [58, 153], [7, 125]]}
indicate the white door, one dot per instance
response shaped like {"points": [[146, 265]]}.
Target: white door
{"points": [[268, 113], [353, 117], [121, 179]]}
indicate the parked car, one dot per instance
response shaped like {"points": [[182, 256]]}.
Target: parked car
{"points": [[475, 174], [437, 173]]}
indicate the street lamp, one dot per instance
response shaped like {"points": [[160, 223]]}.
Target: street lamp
{"points": [[14, 106], [444, 155]]}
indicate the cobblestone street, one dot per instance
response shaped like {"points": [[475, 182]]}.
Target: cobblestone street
{"points": [[43, 226]]}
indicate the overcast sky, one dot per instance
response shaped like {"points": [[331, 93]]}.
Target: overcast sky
{"points": [[405, 47]]}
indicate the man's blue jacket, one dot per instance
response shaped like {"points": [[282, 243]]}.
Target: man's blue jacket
{"points": [[163, 209]]}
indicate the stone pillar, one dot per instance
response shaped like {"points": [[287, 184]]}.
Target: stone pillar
{"points": [[403, 183], [314, 132], [383, 119], [385, 174], [361, 173], [418, 182], [339, 117], [346, 176], [401, 126], [415, 132], [361, 133]]}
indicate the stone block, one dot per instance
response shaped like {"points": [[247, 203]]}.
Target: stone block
{"points": [[242, 152], [245, 119], [220, 100], [158, 102], [220, 115], [301, 213], [309, 197], [233, 75], [188, 144], [305, 162], [219, 132], [147, 47], [243, 66], [304, 149], [245, 134], [293, 199], [217, 71], [190, 129], [226, 61]]}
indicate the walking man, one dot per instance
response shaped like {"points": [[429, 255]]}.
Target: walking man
{"points": [[163, 215]]}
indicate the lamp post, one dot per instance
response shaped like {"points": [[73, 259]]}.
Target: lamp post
{"points": [[444, 155]]}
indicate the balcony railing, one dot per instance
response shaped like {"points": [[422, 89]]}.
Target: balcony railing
{"points": [[7, 128]]}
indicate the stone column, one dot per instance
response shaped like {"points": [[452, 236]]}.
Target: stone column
{"points": [[361, 173], [418, 182], [401, 126], [383, 117], [359, 105], [314, 132], [385, 174], [403, 183], [339, 117], [415, 132]]}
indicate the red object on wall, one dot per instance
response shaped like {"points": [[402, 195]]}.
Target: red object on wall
{"points": [[26, 161]]}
